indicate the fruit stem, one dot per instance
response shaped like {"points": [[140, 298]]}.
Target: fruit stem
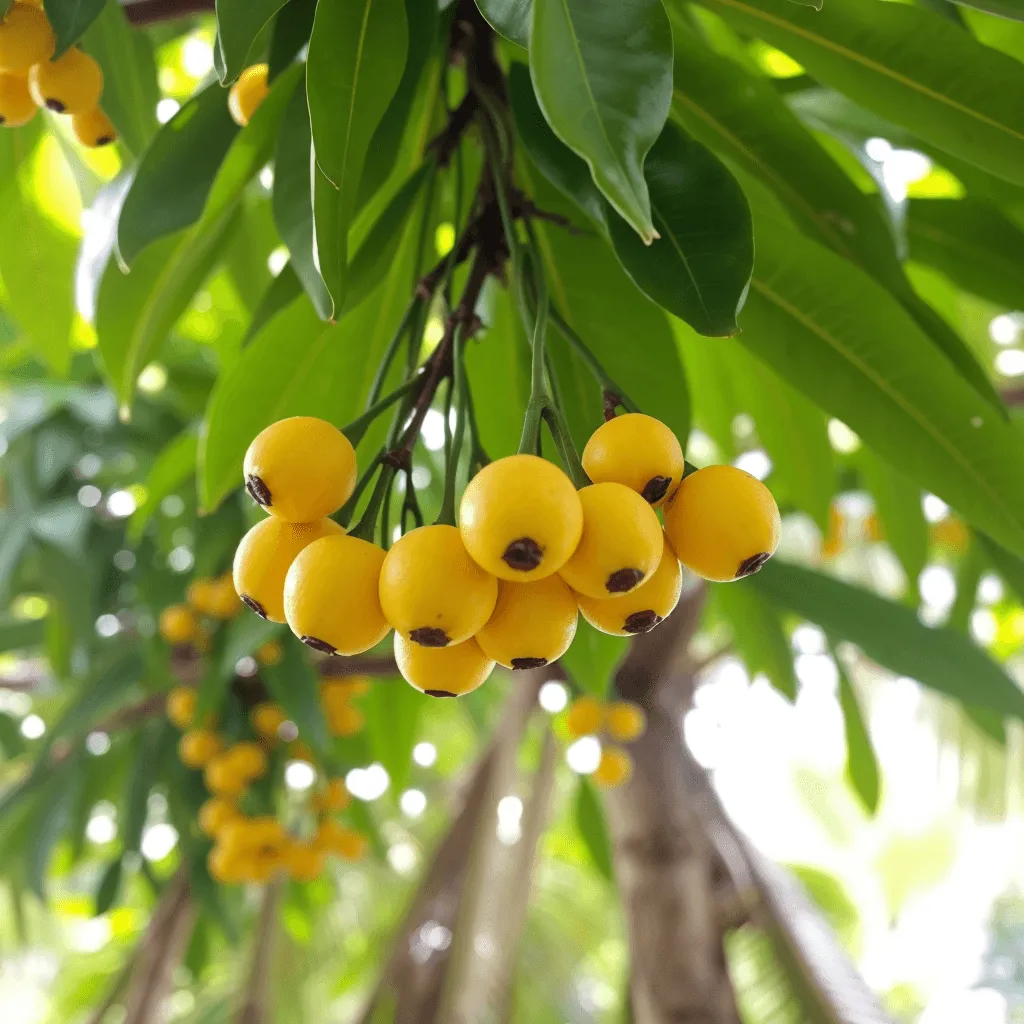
{"points": [[358, 427], [453, 446], [364, 529], [348, 509]]}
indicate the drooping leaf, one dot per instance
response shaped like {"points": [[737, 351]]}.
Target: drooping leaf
{"points": [[896, 59], [171, 468], [100, 693], [392, 712], [70, 19], [715, 402], [12, 744], [509, 18], [239, 22], [357, 55], [50, 819], [294, 685], [1006, 563], [592, 658], [891, 635], [282, 291], [603, 78], [1003, 8], [862, 770], [593, 828], [155, 743], [109, 887], [21, 634], [292, 27], [828, 329]]}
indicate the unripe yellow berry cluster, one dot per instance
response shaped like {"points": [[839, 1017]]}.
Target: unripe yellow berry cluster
{"points": [[248, 93], [31, 78], [208, 603], [613, 722], [530, 552]]}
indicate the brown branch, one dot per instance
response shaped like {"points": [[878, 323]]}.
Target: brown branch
{"points": [[254, 1005], [148, 12]]}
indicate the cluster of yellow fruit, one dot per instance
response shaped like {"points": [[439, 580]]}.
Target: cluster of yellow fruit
{"points": [[252, 848], [31, 78], [612, 722], [529, 554], [248, 93], [210, 598]]}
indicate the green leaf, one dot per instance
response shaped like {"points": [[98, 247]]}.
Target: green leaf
{"points": [[592, 659], [21, 634], [896, 59], [294, 685], [831, 331], [392, 712], [509, 18], [171, 468], [898, 506], [154, 744], [1006, 563], [971, 242], [861, 761], [357, 55], [99, 694], [50, 818], [282, 291], [292, 28], [109, 887], [891, 635], [758, 635], [298, 365], [130, 91], [70, 19], [715, 402], [593, 828], [176, 174], [603, 78], [239, 22], [12, 744], [1003, 8]]}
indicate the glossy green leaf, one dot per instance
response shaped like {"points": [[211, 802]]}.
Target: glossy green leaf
{"points": [[294, 684], [1006, 563], [100, 693], [12, 743], [891, 634], [239, 22], [171, 468], [603, 77], [715, 402], [392, 712], [592, 659], [898, 506], [895, 59], [292, 28], [50, 818], [130, 90], [862, 769], [509, 18], [70, 18], [282, 291], [357, 55], [5, 6], [593, 828], [109, 887], [1003, 8], [758, 635], [843, 341], [156, 742], [971, 242]]}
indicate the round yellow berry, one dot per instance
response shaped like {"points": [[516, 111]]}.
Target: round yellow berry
{"points": [[331, 595], [25, 39], [248, 759], [585, 717], [224, 601], [200, 595], [264, 557], [177, 624], [16, 104], [344, 719], [723, 523], [93, 128], [303, 861], [198, 747], [442, 671], [267, 719], [215, 814], [333, 797], [223, 778], [533, 623], [637, 451], [614, 768], [269, 653], [621, 543], [247, 94], [332, 837], [300, 469], [226, 865], [642, 609], [431, 591], [521, 518], [624, 721], [181, 706], [71, 84]]}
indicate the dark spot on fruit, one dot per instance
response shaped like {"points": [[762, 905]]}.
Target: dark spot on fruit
{"points": [[523, 554], [655, 488], [319, 645], [259, 491], [439, 693], [254, 605], [430, 636], [2, 119], [641, 622], [104, 140], [750, 565], [55, 105], [622, 581], [521, 663]]}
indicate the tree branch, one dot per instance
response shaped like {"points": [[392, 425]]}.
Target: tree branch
{"points": [[254, 1005], [148, 12]]}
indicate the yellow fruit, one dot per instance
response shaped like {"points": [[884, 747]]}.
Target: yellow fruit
{"points": [[614, 769], [264, 556], [300, 469], [71, 84], [638, 451], [300, 750], [521, 518], [177, 624], [332, 837], [93, 129], [269, 653], [266, 845], [215, 814], [442, 671], [25, 39], [641, 610], [431, 591], [200, 595], [223, 778], [226, 865], [333, 797], [16, 104], [181, 706], [585, 717], [248, 759], [198, 747], [624, 721], [723, 523], [348, 686], [331, 595], [621, 543], [247, 94], [344, 720], [224, 601], [267, 719], [532, 625], [303, 861]]}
